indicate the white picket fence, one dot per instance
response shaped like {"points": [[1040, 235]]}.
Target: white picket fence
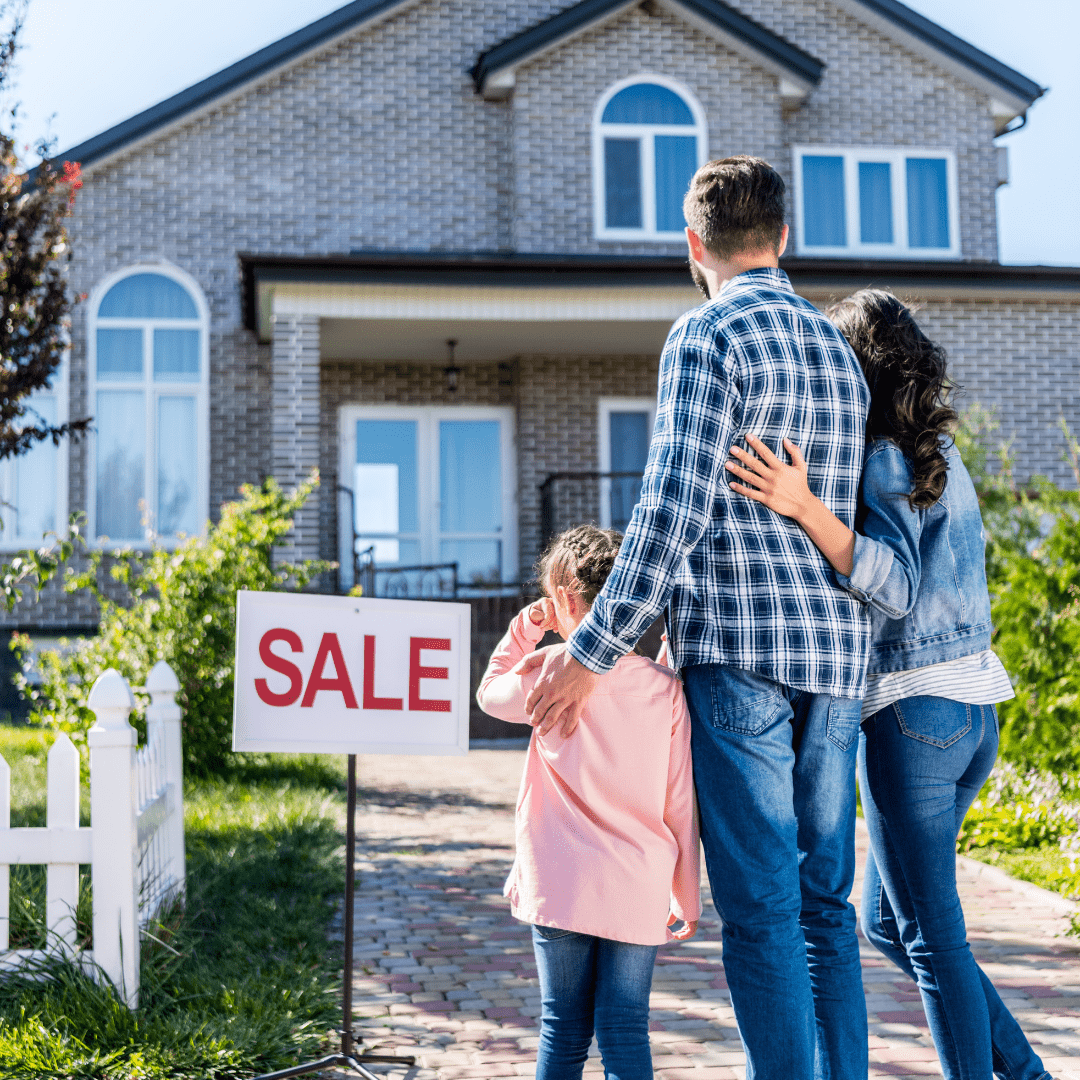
{"points": [[134, 843]]}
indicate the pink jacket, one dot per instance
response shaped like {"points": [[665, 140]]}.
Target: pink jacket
{"points": [[606, 823]]}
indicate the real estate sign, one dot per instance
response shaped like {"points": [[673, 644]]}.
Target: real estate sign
{"points": [[346, 675]]}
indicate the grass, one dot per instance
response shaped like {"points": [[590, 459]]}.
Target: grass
{"points": [[242, 980], [1046, 866]]}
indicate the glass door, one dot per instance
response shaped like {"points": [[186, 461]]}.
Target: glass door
{"points": [[430, 485]]}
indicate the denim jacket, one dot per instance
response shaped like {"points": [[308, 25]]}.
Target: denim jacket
{"points": [[921, 571]]}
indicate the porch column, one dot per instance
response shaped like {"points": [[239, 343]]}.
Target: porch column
{"points": [[295, 421]]}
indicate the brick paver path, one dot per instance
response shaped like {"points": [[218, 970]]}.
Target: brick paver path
{"points": [[443, 969]]}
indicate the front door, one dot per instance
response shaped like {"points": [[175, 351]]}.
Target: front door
{"points": [[429, 485]]}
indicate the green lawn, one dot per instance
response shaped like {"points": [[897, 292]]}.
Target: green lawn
{"points": [[243, 980]]}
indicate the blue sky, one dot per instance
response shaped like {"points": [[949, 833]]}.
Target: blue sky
{"points": [[87, 64]]}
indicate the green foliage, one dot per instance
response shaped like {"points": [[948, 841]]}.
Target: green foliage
{"points": [[1033, 570], [178, 606], [243, 980]]}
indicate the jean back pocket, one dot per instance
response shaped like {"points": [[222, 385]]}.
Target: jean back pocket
{"points": [[933, 720]]}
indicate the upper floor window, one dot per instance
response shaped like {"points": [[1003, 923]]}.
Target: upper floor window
{"points": [[898, 203], [148, 379], [649, 139]]}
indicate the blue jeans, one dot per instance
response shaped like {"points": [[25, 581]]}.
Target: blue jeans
{"points": [[922, 761], [591, 983], [775, 776]]}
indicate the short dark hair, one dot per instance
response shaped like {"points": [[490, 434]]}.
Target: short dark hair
{"points": [[736, 204]]}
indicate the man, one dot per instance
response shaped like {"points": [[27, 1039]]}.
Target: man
{"points": [[771, 651]]}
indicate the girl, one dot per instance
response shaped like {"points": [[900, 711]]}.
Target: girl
{"points": [[607, 837], [929, 732]]}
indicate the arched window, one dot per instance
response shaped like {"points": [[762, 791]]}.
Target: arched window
{"points": [[148, 378], [649, 139]]}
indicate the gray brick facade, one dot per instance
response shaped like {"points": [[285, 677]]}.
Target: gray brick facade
{"points": [[380, 142]]}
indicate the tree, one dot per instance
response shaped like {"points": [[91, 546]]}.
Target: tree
{"points": [[35, 302]]}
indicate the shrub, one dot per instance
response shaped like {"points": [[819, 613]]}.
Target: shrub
{"points": [[178, 606], [1033, 571]]}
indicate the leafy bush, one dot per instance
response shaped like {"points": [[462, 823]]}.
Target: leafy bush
{"points": [[1019, 809], [178, 606], [1033, 570]]}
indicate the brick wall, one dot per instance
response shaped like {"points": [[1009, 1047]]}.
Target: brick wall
{"points": [[380, 142]]}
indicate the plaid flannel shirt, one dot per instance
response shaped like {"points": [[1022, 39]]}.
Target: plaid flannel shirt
{"points": [[743, 586]]}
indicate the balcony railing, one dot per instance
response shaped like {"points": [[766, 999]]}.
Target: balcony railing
{"points": [[571, 498]]}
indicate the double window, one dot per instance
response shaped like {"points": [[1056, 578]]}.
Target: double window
{"points": [[431, 485], [649, 139], [885, 203], [148, 365]]}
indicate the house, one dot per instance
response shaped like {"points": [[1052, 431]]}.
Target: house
{"points": [[434, 249]]}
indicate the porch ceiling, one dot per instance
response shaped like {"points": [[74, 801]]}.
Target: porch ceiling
{"points": [[481, 340]]}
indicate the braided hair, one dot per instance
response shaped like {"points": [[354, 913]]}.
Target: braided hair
{"points": [[579, 559], [909, 385]]}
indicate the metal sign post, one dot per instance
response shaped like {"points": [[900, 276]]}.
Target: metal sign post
{"points": [[346, 1058], [335, 674]]}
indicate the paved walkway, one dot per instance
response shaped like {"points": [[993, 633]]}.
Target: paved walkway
{"points": [[443, 970]]}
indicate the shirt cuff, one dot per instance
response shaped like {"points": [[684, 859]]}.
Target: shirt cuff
{"points": [[594, 647], [870, 566]]}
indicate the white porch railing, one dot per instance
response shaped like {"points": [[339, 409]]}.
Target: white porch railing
{"points": [[134, 843]]}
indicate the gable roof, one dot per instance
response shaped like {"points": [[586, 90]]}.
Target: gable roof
{"points": [[798, 71], [1011, 93], [494, 69]]}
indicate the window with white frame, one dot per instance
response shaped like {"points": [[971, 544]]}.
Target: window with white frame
{"points": [[148, 396], [625, 429], [33, 486], [431, 485], [649, 139], [886, 203]]}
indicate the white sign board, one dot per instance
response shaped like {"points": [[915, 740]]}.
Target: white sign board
{"points": [[347, 675]]}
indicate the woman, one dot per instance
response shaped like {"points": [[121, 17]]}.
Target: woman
{"points": [[929, 731]]}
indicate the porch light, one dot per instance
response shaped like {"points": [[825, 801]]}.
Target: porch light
{"points": [[451, 371]]}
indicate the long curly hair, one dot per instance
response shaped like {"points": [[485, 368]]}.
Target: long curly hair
{"points": [[579, 559], [909, 385]]}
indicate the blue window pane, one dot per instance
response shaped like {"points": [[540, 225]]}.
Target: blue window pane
{"points": [[34, 512], [148, 296], [120, 425], [479, 561], [875, 202], [629, 450], [647, 103], [824, 214], [622, 183], [176, 355], [676, 163], [120, 354], [178, 463], [927, 203], [385, 469], [470, 476]]}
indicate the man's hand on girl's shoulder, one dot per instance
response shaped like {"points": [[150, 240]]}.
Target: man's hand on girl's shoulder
{"points": [[561, 690]]}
